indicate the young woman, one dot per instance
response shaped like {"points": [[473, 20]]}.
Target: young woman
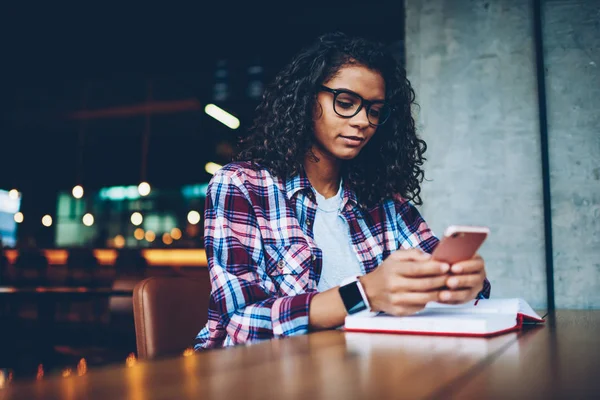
{"points": [[314, 220]]}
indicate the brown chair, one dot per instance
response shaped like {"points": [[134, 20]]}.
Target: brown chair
{"points": [[168, 313]]}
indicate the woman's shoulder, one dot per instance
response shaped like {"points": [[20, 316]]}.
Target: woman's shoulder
{"points": [[400, 206], [243, 173], [399, 200], [243, 169], [396, 201], [393, 205], [405, 209]]}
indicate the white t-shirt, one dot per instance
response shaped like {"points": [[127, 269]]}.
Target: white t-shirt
{"points": [[332, 235]]}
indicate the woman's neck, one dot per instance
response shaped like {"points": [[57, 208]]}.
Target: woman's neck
{"points": [[324, 175]]}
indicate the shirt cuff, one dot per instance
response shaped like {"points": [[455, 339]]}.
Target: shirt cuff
{"points": [[290, 314], [485, 292]]}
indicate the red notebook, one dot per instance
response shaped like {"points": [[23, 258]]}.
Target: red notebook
{"points": [[476, 318]]}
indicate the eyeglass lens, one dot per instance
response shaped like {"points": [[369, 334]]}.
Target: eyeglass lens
{"points": [[348, 104]]}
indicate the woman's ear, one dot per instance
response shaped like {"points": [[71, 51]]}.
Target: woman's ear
{"points": [[317, 109]]}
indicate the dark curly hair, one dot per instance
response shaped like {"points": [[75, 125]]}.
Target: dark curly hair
{"points": [[283, 130]]}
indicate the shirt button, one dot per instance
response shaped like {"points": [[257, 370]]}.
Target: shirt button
{"points": [[308, 222], [314, 257], [280, 264]]}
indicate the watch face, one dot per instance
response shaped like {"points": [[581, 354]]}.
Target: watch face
{"points": [[352, 298]]}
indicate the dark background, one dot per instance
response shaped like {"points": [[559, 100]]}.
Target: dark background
{"points": [[58, 61]]}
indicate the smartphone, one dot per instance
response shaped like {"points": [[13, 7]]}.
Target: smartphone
{"points": [[460, 243]]}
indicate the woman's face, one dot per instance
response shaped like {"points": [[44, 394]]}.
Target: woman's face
{"points": [[339, 138]]}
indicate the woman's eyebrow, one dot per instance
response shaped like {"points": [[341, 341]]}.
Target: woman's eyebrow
{"points": [[358, 94]]}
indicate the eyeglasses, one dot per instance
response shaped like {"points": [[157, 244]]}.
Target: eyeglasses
{"points": [[347, 104]]}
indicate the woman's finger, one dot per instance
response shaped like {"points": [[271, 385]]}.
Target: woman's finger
{"points": [[456, 296], [471, 266], [425, 284], [464, 281], [415, 298], [416, 269]]}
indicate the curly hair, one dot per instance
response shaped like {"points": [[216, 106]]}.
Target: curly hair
{"points": [[283, 131]]}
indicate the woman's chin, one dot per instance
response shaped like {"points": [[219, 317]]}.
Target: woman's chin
{"points": [[343, 153], [347, 154]]}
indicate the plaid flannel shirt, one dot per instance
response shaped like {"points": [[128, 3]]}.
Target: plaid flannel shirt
{"points": [[264, 264]]}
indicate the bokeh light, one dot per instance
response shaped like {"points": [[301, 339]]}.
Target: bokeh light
{"points": [[193, 217], [137, 218], [47, 220], [77, 191], [144, 189]]}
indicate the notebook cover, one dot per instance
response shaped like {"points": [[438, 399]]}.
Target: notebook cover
{"points": [[518, 325]]}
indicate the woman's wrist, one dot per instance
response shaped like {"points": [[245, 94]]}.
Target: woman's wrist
{"points": [[367, 285]]}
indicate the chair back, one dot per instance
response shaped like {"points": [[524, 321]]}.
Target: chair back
{"points": [[168, 313]]}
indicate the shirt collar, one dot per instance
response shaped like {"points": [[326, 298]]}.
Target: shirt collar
{"points": [[348, 197], [297, 183], [300, 182]]}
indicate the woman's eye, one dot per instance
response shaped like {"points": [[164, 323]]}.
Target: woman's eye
{"points": [[345, 104], [374, 113]]}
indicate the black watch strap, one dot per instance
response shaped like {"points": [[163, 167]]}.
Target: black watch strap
{"points": [[352, 298]]}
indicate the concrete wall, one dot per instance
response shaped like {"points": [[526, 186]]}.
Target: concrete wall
{"points": [[571, 32], [472, 64]]}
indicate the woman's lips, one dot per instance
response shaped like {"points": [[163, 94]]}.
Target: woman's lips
{"points": [[352, 140]]}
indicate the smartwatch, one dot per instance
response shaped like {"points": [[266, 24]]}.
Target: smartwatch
{"points": [[354, 297]]}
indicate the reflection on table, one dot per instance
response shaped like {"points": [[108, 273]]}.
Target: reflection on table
{"points": [[557, 360]]}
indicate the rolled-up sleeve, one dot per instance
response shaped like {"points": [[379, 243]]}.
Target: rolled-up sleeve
{"points": [[244, 306]]}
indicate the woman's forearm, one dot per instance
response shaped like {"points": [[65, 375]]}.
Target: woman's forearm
{"points": [[326, 310]]}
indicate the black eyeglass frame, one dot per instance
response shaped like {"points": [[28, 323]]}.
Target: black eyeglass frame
{"points": [[363, 103]]}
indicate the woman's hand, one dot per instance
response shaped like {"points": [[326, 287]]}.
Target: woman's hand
{"points": [[406, 281], [465, 281]]}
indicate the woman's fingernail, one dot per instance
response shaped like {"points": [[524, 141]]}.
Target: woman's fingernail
{"points": [[452, 282], [445, 295], [457, 268], [444, 267]]}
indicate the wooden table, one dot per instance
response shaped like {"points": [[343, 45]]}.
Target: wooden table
{"points": [[559, 360]]}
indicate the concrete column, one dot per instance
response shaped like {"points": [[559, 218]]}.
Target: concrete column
{"points": [[472, 64], [571, 32]]}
